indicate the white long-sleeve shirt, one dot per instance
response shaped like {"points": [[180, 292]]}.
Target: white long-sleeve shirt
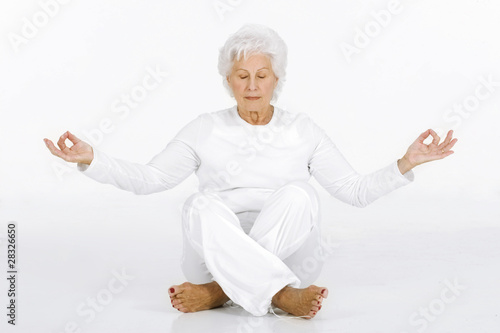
{"points": [[244, 163]]}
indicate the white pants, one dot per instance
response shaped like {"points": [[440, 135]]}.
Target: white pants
{"points": [[251, 268]]}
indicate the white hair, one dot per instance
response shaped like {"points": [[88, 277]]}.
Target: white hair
{"points": [[249, 40]]}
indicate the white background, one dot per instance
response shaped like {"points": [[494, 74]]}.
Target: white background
{"points": [[374, 104]]}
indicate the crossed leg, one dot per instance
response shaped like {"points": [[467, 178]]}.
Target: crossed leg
{"points": [[222, 262]]}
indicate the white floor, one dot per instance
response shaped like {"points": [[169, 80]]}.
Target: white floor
{"points": [[423, 267]]}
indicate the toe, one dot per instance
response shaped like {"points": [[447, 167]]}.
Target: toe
{"points": [[182, 309], [318, 302], [324, 292], [315, 308], [175, 290]]}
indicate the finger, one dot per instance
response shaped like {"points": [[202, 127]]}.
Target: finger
{"points": [[73, 138], [423, 136], [446, 140], [443, 154], [61, 140], [54, 150], [451, 144], [447, 153], [435, 136]]}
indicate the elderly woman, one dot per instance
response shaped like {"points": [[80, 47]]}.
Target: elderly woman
{"points": [[255, 219]]}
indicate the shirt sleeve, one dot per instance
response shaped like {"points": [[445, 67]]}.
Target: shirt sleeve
{"points": [[336, 175], [163, 172]]}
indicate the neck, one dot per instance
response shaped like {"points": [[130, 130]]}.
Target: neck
{"points": [[257, 117]]}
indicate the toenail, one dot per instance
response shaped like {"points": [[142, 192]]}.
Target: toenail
{"points": [[172, 290], [319, 308], [314, 313], [323, 291]]}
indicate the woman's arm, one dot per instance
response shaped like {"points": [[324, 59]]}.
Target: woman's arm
{"points": [[165, 170], [336, 175]]}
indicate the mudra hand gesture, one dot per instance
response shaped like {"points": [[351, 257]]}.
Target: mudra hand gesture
{"points": [[80, 152], [419, 152]]}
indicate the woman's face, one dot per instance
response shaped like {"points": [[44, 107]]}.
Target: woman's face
{"points": [[252, 82]]}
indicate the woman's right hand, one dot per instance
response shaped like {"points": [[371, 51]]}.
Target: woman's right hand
{"points": [[80, 152]]}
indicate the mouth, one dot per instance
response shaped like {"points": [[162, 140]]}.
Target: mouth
{"points": [[252, 98]]}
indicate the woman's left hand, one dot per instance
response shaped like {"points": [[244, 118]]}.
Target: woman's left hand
{"points": [[419, 152]]}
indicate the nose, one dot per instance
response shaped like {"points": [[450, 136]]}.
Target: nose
{"points": [[252, 84]]}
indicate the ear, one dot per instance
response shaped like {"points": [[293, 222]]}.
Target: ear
{"points": [[276, 82]]}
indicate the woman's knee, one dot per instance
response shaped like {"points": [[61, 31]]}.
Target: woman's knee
{"points": [[196, 203], [205, 209], [300, 191]]}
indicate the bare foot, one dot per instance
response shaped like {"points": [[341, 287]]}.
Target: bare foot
{"points": [[189, 297], [300, 302]]}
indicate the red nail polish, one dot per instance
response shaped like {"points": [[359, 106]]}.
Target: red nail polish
{"points": [[323, 291], [172, 290], [319, 308]]}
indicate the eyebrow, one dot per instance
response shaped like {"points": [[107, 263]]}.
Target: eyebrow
{"points": [[242, 69]]}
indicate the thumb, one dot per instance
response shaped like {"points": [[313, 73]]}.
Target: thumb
{"points": [[73, 138]]}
